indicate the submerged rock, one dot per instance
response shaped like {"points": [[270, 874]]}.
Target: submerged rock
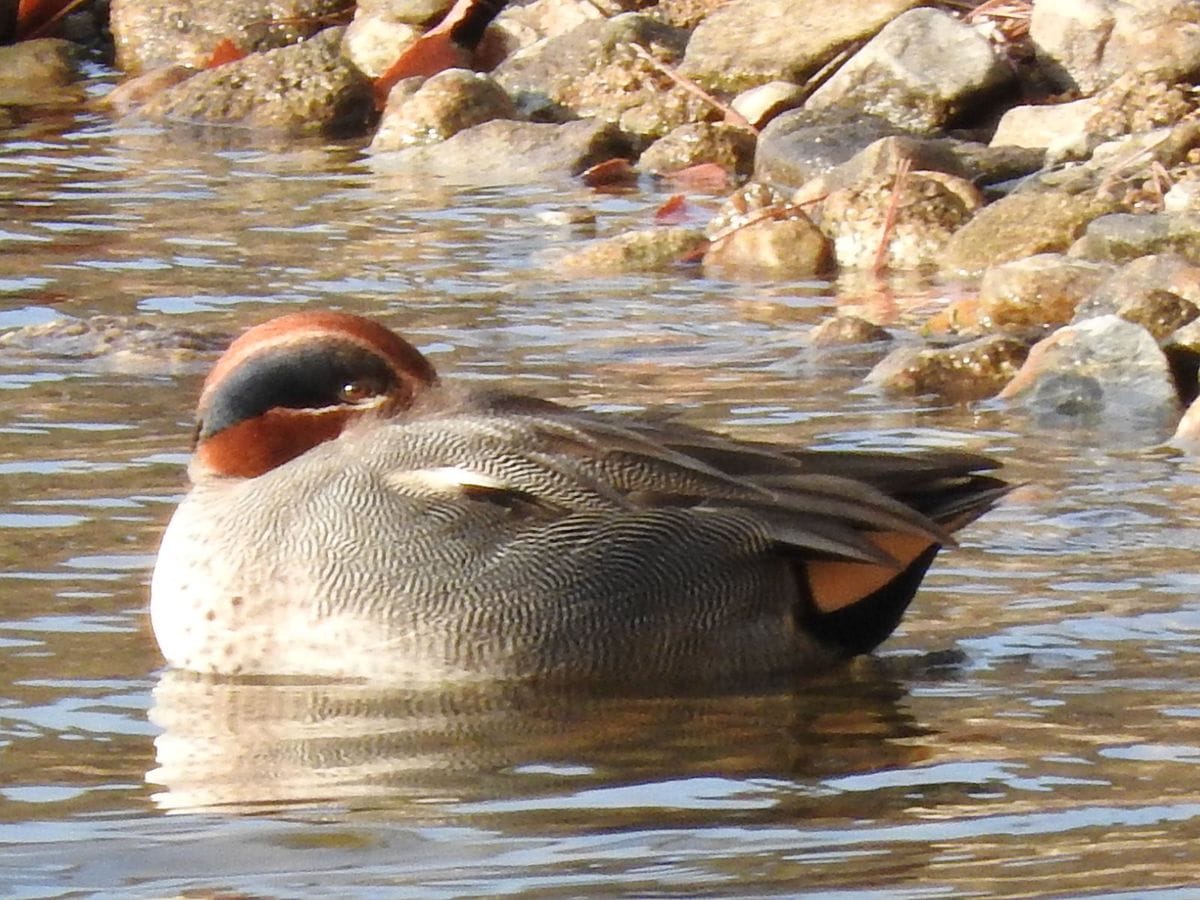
{"points": [[646, 250], [974, 370], [788, 247], [508, 152], [847, 331], [728, 146], [1102, 372], [116, 343], [42, 72]]}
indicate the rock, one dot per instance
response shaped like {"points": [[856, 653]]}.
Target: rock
{"points": [[761, 104], [441, 106], [508, 152], [1160, 293], [373, 41], [525, 24], [42, 72], [966, 159], [921, 72], [115, 343], [1120, 237], [1187, 434], [750, 202], [150, 34], [1037, 292], [649, 249], [847, 331], [133, 93], [308, 88], [728, 146], [789, 247], [750, 42], [1102, 373], [1061, 128], [971, 371], [1022, 224], [1183, 196], [1086, 44], [599, 70], [915, 223], [800, 145]]}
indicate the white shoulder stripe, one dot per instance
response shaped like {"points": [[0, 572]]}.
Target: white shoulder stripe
{"points": [[442, 480]]}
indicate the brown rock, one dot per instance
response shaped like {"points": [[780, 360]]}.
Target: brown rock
{"points": [[792, 246], [972, 371]]}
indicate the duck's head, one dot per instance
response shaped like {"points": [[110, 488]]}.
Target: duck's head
{"points": [[298, 380]]}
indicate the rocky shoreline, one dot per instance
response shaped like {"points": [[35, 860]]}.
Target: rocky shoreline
{"points": [[1047, 151]]}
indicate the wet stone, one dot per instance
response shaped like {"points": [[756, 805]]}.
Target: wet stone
{"points": [[41, 72], [969, 371], [1100, 373], [912, 219], [792, 246], [728, 146], [442, 106], [1038, 292], [847, 331], [648, 249], [748, 203], [308, 88], [1160, 293]]}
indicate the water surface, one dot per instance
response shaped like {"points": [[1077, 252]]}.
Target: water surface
{"points": [[1031, 729]]}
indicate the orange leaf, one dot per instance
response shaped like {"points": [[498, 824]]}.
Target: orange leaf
{"points": [[34, 17], [672, 212], [709, 177], [610, 172], [226, 51]]}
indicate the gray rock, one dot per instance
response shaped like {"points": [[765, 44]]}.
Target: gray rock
{"points": [[750, 42], [915, 222], [441, 106], [1086, 44], [43, 72], [308, 88], [1038, 292], [970, 371], [115, 344], [1159, 292], [728, 146], [788, 247], [1183, 196], [1120, 237], [595, 71], [1022, 224], [921, 72], [646, 250], [981, 164], [800, 145], [508, 152], [1100, 373], [148, 34], [1063, 129]]}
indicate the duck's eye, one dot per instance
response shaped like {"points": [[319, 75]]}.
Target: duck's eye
{"points": [[360, 390]]}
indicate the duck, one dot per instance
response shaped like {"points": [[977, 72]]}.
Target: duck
{"points": [[352, 515]]}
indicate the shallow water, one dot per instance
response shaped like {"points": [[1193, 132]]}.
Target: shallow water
{"points": [[1031, 729]]}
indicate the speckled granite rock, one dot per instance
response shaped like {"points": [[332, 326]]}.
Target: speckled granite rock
{"points": [[307, 88], [1159, 292], [148, 34], [595, 71], [847, 331], [974, 370], [800, 145], [1120, 237], [749, 42], [728, 146], [921, 72], [915, 222], [1037, 292]]}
